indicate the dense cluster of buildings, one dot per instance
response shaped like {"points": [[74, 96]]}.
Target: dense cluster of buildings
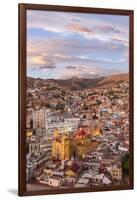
{"points": [[77, 138]]}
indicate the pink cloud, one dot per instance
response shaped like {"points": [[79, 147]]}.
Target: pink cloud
{"points": [[107, 29], [77, 28]]}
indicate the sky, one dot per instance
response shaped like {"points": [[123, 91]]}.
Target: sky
{"points": [[62, 45]]}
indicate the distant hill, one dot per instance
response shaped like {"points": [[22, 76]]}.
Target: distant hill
{"points": [[78, 83], [113, 80], [117, 77]]}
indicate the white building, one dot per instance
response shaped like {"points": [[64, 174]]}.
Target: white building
{"points": [[69, 125], [39, 118], [45, 122], [56, 180], [34, 148], [100, 179]]}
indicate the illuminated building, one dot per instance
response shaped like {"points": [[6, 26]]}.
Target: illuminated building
{"points": [[60, 148], [66, 147], [28, 133]]}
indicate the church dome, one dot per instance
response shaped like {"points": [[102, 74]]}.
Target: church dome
{"points": [[80, 134]]}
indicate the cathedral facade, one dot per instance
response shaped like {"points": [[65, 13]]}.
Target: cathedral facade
{"points": [[66, 147]]}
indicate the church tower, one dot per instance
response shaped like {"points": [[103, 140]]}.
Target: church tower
{"points": [[56, 146], [60, 147], [65, 148]]}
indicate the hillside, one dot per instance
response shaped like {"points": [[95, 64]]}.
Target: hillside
{"points": [[78, 83]]}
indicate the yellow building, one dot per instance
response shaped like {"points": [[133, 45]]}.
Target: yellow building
{"points": [[28, 133], [116, 173], [60, 147], [65, 147]]}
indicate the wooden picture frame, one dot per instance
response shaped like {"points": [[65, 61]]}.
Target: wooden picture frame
{"points": [[23, 8]]}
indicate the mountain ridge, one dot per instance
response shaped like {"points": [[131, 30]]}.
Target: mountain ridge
{"points": [[76, 83]]}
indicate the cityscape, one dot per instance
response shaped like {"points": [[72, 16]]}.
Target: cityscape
{"points": [[77, 138], [77, 100]]}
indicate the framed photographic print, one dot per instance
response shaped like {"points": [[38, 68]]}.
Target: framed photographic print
{"points": [[75, 99]]}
